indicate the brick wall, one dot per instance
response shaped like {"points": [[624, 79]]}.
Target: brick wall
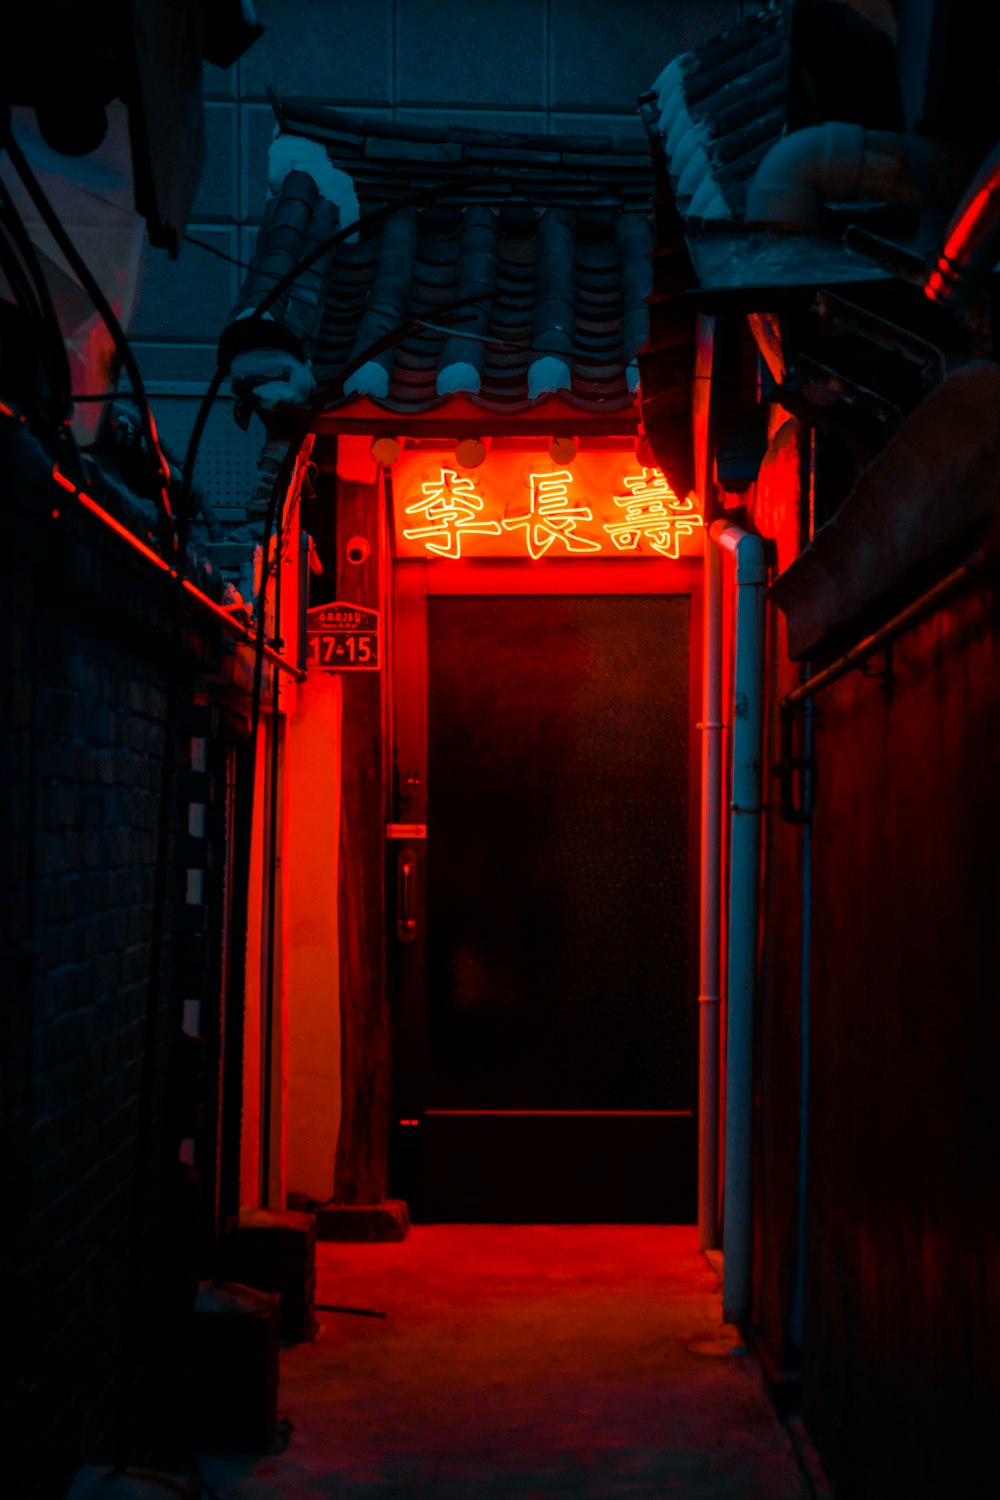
{"points": [[85, 633], [559, 66]]}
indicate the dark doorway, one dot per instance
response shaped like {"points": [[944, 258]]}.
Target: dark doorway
{"points": [[554, 1041]]}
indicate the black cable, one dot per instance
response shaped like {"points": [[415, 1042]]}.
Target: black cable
{"points": [[191, 452], [273, 525], [17, 277], [30, 288], [234, 260], [367, 221], [169, 539]]}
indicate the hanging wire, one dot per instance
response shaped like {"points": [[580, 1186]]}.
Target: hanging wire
{"points": [[278, 498], [173, 542], [172, 536], [35, 296], [216, 250], [366, 222]]}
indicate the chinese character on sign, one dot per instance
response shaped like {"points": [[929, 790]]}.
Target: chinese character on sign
{"points": [[451, 508], [551, 517], [652, 510]]}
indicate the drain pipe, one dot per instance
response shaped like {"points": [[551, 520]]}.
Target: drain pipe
{"points": [[709, 966], [744, 894], [805, 1016], [843, 163]]}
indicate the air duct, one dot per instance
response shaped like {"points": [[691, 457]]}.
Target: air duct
{"points": [[842, 163]]}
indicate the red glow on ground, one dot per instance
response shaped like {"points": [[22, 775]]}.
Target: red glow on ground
{"points": [[516, 1361]]}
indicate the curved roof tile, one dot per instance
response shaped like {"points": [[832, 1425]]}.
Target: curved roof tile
{"points": [[534, 248]]}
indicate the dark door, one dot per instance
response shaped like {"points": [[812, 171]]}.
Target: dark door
{"points": [[547, 1073]]}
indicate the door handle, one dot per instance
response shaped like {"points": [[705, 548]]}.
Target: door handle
{"points": [[406, 888]]}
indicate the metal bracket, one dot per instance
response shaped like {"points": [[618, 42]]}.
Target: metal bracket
{"points": [[792, 765], [885, 675]]}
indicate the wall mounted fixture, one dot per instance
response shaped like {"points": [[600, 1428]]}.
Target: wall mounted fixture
{"points": [[470, 452], [563, 450], [385, 450]]}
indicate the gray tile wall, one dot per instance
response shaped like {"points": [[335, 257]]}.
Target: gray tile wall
{"points": [[556, 66]]}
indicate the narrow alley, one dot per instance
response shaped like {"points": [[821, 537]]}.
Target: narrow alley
{"points": [[520, 1361], [499, 697]]}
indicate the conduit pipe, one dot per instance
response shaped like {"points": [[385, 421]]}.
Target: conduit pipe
{"points": [[709, 965], [972, 240], [842, 163], [805, 1020], [744, 871]]}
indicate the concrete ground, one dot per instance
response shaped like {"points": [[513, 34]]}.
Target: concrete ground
{"points": [[582, 1362]]}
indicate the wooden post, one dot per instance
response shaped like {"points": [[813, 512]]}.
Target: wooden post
{"points": [[360, 1210]]}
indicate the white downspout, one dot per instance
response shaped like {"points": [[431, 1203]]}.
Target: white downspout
{"points": [[744, 874], [709, 967]]}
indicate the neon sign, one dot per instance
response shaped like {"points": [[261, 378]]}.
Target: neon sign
{"points": [[652, 510], [450, 507], [551, 517], [519, 504]]}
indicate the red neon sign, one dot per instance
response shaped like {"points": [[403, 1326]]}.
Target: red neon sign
{"points": [[520, 504], [450, 509]]}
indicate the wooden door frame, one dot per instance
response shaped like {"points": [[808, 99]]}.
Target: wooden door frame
{"points": [[412, 582]]}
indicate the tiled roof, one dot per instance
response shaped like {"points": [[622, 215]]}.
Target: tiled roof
{"points": [[570, 286], [717, 110], [387, 160], [552, 233], [712, 116]]}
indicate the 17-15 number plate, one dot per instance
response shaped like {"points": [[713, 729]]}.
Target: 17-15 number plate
{"points": [[343, 638]]}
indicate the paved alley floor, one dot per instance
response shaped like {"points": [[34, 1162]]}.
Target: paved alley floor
{"points": [[520, 1361]]}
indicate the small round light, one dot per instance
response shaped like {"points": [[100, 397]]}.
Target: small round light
{"points": [[385, 450], [470, 452], [562, 450]]}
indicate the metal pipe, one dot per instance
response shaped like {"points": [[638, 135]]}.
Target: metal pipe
{"points": [[972, 240], [842, 163], [908, 617], [201, 600], [805, 1015], [744, 897], [709, 996]]}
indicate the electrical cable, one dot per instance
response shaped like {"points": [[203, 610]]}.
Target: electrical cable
{"points": [[17, 278], [170, 542], [367, 221], [233, 260], [173, 540], [41, 307], [273, 525]]}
